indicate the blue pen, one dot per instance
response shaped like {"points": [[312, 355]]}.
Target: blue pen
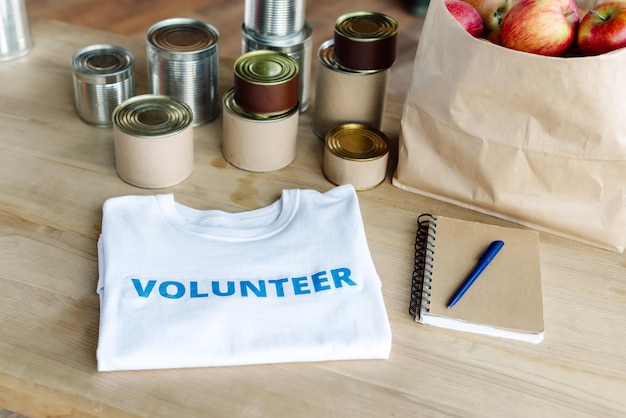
{"points": [[483, 261]]}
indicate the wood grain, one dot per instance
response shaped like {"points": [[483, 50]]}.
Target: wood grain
{"points": [[56, 174]]}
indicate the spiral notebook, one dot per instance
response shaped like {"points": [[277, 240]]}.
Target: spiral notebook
{"points": [[506, 299]]}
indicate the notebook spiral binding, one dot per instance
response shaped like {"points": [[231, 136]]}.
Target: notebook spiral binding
{"points": [[422, 271]]}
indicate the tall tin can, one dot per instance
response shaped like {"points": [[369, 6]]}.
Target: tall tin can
{"points": [[258, 142], [345, 96], [274, 18], [15, 36], [183, 62], [103, 78], [153, 138], [297, 45]]}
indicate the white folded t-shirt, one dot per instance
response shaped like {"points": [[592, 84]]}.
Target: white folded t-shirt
{"points": [[290, 282]]}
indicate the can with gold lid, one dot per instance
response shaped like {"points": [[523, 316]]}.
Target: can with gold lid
{"points": [[183, 61], [344, 96], [365, 41], [153, 139], [103, 77], [258, 142], [356, 154], [296, 45], [266, 82]]}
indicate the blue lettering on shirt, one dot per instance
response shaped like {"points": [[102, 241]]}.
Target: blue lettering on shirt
{"points": [[296, 286]]}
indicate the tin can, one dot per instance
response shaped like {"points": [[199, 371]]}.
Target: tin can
{"points": [[274, 18], [103, 78], [266, 82], [256, 142], [15, 37], [183, 61], [344, 96], [356, 154], [297, 46], [365, 41], [153, 139]]}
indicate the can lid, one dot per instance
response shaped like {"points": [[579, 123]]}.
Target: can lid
{"points": [[182, 36], [152, 116], [356, 142], [326, 57], [266, 67], [365, 40], [102, 64]]}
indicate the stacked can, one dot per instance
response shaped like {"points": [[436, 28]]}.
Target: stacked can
{"points": [[103, 78], [260, 117], [183, 62], [353, 72], [280, 26]]}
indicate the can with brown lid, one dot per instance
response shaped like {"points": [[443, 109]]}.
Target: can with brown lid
{"points": [[344, 96], [365, 41], [153, 139], [296, 45], [183, 62], [356, 154], [266, 82], [103, 77]]}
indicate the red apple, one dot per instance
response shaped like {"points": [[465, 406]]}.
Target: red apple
{"points": [[544, 27], [466, 15], [492, 11], [603, 29]]}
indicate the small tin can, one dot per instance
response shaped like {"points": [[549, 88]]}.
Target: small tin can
{"points": [[365, 41], [153, 139], [344, 96], [273, 18], [266, 82], [258, 142], [356, 154], [183, 62], [103, 78], [297, 46], [15, 37]]}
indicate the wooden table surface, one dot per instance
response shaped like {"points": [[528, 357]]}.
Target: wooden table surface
{"points": [[56, 173]]}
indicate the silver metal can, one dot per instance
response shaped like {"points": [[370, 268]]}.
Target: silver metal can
{"points": [[15, 37], [274, 17], [153, 139], [183, 62], [103, 78], [258, 142], [297, 46], [347, 96]]}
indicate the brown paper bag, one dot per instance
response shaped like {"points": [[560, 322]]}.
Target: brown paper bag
{"points": [[536, 140]]}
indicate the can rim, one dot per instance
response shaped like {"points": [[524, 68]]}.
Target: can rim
{"points": [[347, 26], [279, 67], [152, 116], [84, 71], [356, 142], [183, 23]]}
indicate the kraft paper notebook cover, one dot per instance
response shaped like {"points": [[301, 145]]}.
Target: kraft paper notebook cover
{"points": [[506, 299]]}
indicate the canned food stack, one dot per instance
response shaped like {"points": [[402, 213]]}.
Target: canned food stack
{"points": [[261, 112], [183, 61], [353, 71], [280, 25], [352, 78]]}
